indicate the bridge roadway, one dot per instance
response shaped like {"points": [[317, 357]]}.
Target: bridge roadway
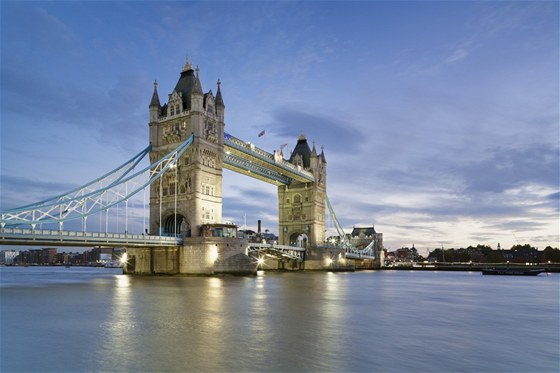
{"points": [[278, 251], [38, 237]]}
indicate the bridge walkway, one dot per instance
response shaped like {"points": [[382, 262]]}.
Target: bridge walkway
{"points": [[37, 237]]}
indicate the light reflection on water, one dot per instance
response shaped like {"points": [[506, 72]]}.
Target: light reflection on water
{"points": [[99, 320]]}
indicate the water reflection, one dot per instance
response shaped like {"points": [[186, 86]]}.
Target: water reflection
{"points": [[118, 326], [308, 322], [259, 323]]}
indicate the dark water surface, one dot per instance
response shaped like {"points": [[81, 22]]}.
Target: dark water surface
{"points": [[95, 319]]}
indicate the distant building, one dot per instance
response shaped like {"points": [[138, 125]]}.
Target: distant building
{"points": [[362, 236], [44, 256], [8, 256]]}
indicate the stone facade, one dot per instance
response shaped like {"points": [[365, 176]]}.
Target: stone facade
{"points": [[202, 256], [301, 206], [189, 194]]}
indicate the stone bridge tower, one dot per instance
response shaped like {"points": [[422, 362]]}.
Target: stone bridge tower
{"points": [[301, 206], [191, 194]]}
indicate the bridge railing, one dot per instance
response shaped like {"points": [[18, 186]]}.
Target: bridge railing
{"points": [[256, 168], [78, 237], [290, 252], [241, 145]]}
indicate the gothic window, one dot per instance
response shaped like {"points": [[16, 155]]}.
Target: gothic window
{"points": [[172, 112], [296, 213], [177, 109], [210, 131], [297, 198]]}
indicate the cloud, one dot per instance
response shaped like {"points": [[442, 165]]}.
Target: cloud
{"points": [[19, 191], [330, 131], [504, 168], [114, 112], [54, 31], [457, 55]]}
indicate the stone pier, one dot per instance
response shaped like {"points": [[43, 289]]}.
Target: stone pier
{"points": [[197, 256], [330, 259]]}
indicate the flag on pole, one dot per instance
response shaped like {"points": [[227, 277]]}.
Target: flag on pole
{"points": [[283, 146], [261, 134]]}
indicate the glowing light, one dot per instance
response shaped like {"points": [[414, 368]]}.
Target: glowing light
{"points": [[329, 261], [124, 258], [215, 282], [213, 253], [260, 261], [123, 281]]}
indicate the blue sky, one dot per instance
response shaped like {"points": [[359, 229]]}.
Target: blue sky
{"points": [[439, 120]]}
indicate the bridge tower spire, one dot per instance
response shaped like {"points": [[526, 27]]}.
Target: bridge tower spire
{"points": [[301, 205], [190, 195]]}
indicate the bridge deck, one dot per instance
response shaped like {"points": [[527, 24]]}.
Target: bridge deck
{"points": [[248, 159], [30, 237], [279, 251]]}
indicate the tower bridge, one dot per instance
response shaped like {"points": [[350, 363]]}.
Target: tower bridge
{"points": [[185, 234]]}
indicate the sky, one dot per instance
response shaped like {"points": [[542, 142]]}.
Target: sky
{"points": [[439, 120]]}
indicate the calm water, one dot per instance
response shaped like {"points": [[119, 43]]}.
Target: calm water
{"points": [[86, 319]]}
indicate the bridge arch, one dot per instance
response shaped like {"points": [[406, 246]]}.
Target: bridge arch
{"points": [[177, 224], [299, 240]]}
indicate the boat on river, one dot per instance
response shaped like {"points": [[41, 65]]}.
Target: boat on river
{"points": [[512, 271]]}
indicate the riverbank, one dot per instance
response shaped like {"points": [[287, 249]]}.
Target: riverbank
{"points": [[475, 267]]}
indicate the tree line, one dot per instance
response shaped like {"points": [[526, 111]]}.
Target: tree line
{"points": [[485, 254]]}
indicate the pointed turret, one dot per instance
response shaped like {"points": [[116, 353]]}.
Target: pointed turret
{"points": [[219, 103], [155, 106], [219, 99], [187, 85], [301, 152], [323, 159], [197, 88], [155, 97], [197, 96]]}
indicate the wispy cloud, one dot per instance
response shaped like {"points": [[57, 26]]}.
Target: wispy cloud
{"points": [[457, 55]]}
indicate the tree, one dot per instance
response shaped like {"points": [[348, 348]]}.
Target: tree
{"points": [[550, 254]]}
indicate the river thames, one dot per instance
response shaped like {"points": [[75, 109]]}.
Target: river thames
{"points": [[56, 319]]}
